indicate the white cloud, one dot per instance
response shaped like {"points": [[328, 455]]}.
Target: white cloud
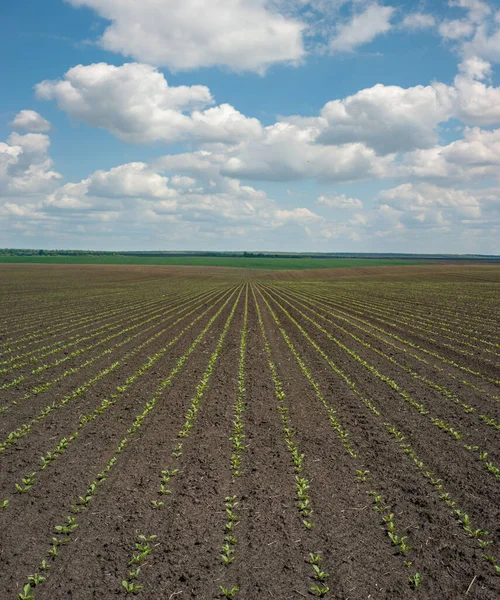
{"points": [[437, 215], [299, 216], [485, 43], [456, 29], [363, 28], [30, 120], [424, 203], [182, 181], [340, 201], [477, 34], [135, 103], [388, 118], [136, 197], [133, 180], [477, 10], [242, 35], [475, 67], [418, 21], [286, 152], [476, 156], [25, 167], [290, 152], [477, 103]]}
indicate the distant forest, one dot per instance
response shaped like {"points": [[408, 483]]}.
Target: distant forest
{"points": [[243, 254]]}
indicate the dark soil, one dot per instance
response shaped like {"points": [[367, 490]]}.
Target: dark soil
{"points": [[44, 305]]}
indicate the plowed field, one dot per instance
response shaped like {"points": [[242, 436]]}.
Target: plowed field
{"points": [[174, 433]]}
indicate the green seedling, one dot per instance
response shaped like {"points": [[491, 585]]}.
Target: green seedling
{"points": [[59, 541], [21, 489], [315, 558], [362, 475], [319, 590], [308, 524], [4, 504], [230, 539], [131, 588], [231, 516], [478, 533], [157, 503], [44, 566], [229, 592], [67, 529], [36, 579], [415, 581], [26, 595], [319, 574], [141, 557], [226, 553]]}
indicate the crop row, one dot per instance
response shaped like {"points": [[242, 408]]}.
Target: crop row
{"points": [[436, 420], [457, 512], [408, 325], [125, 314], [69, 318], [319, 586], [42, 387], [83, 501], [442, 390], [382, 335], [328, 302], [51, 455], [141, 320], [173, 470], [24, 429]]}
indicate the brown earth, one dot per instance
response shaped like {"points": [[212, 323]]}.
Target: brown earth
{"points": [[339, 347]]}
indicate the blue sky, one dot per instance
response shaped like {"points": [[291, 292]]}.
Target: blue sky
{"points": [[339, 125]]}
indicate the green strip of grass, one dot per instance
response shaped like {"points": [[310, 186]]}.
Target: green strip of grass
{"points": [[275, 264]]}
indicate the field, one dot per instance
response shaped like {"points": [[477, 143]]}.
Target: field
{"points": [[274, 264], [176, 433]]}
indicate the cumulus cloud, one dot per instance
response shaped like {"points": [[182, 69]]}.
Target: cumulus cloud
{"points": [[477, 34], [289, 152], [388, 118], [30, 120], [418, 21], [485, 43], [475, 67], [423, 203], [131, 180], [340, 201], [439, 215], [286, 152], [456, 29], [182, 181], [477, 9], [137, 193], [25, 167], [363, 28], [476, 156], [243, 35], [477, 103], [135, 103]]}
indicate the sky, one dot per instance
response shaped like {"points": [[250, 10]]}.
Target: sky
{"points": [[286, 125]]}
